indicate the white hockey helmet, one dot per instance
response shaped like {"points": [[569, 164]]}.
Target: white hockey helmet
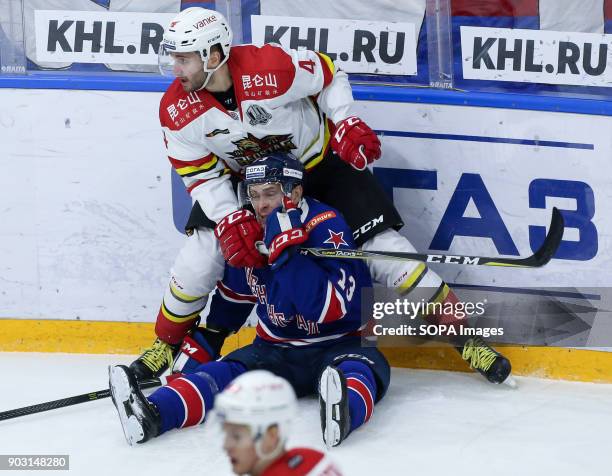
{"points": [[195, 29], [258, 399]]}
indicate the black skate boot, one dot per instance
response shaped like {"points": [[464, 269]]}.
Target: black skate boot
{"points": [[139, 417], [154, 361], [486, 360], [334, 407]]}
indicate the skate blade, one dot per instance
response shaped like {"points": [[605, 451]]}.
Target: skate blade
{"points": [[331, 393], [510, 382], [121, 392]]}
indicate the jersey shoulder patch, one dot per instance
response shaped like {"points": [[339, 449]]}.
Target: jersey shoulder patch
{"points": [[178, 108], [261, 72], [326, 227]]}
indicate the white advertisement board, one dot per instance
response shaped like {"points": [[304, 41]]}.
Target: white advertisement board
{"points": [[87, 214], [483, 181], [536, 56], [99, 37], [356, 46]]}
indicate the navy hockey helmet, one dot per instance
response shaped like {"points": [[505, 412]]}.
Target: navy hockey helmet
{"points": [[280, 167]]}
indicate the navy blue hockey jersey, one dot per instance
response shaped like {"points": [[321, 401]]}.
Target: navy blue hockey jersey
{"points": [[306, 301]]}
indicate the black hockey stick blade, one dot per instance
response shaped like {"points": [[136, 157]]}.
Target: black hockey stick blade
{"points": [[66, 402], [542, 256]]}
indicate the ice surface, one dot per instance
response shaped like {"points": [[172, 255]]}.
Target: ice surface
{"points": [[430, 423]]}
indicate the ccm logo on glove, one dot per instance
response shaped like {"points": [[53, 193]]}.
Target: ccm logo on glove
{"points": [[355, 143], [237, 234], [284, 231]]}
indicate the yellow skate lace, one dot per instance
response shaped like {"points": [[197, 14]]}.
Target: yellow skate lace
{"points": [[157, 356], [478, 354]]}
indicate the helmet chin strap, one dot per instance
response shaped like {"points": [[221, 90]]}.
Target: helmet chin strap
{"points": [[210, 73], [206, 79]]}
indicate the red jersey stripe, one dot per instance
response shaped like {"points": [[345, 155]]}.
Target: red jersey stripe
{"points": [[179, 164], [334, 307], [231, 295]]}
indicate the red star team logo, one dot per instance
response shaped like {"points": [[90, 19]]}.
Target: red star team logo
{"points": [[336, 239]]}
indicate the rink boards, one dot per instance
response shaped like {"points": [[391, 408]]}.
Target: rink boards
{"points": [[91, 212]]}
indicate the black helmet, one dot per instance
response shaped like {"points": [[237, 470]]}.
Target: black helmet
{"points": [[280, 167]]}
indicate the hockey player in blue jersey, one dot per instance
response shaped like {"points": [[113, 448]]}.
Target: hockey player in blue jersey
{"points": [[309, 321]]}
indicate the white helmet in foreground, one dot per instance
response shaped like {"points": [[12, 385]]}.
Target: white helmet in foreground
{"points": [[259, 400], [195, 29]]}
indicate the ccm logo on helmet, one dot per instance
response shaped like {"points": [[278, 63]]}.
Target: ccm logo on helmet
{"points": [[205, 22]]}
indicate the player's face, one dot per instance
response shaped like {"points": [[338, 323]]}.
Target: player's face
{"points": [[265, 198], [269, 196], [189, 70], [240, 448]]}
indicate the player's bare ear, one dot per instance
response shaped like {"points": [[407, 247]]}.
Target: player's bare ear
{"points": [[271, 439], [296, 194], [215, 58]]}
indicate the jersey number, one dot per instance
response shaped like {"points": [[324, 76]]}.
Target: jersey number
{"points": [[351, 285], [308, 66]]}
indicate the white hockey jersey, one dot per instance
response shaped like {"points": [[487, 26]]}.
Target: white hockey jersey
{"points": [[287, 101]]}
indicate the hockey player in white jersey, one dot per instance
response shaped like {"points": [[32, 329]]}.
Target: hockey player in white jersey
{"points": [[230, 105], [256, 412]]}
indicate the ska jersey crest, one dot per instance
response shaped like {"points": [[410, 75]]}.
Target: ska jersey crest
{"points": [[251, 148], [336, 239]]}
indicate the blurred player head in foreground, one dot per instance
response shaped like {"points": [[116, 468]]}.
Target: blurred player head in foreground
{"points": [[268, 180], [255, 411], [195, 45]]}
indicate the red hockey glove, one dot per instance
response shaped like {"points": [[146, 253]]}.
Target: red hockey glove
{"points": [[237, 234], [356, 143], [284, 230], [203, 346]]}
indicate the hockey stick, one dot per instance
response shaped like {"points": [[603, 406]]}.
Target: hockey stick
{"points": [[542, 256], [66, 402]]}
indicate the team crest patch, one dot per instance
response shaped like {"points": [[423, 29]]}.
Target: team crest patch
{"points": [[258, 115], [251, 148], [336, 239], [320, 218]]}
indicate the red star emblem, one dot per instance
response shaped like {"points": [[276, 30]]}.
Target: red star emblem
{"points": [[336, 239]]}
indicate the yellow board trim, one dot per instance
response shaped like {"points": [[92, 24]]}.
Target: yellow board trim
{"points": [[94, 337]]}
